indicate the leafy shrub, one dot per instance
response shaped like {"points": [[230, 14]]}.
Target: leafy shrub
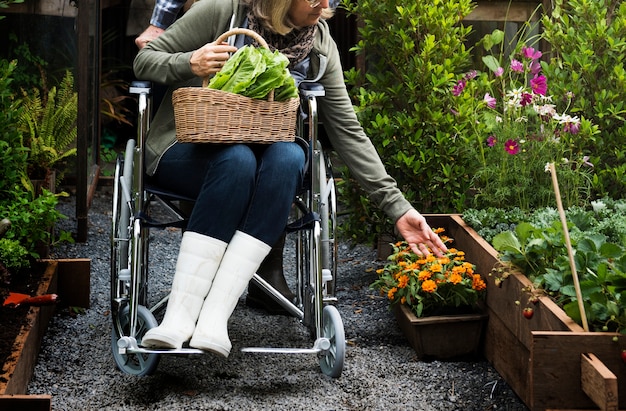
{"points": [[588, 47], [31, 216], [413, 53], [12, 155]]}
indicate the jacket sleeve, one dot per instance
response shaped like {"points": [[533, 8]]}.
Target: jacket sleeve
{"points": [[165, 60], [353, 146]]}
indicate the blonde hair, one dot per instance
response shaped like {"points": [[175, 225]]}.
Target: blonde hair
{"points": [[273, 14]]}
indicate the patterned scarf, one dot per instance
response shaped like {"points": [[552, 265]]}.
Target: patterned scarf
{"points": [[296, 45]]}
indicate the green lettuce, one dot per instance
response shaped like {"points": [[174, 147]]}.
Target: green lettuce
{"points": [[254, 72]]}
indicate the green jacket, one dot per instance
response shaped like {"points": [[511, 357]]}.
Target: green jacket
{"points": [[166, 60]]}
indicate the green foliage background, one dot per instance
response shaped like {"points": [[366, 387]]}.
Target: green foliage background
{"points": [[413, 52], [588, 41]]}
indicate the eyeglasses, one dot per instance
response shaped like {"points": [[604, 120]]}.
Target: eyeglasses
{"points": [[313, 3]]}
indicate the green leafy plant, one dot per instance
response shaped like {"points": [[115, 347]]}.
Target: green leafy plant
{"points": [[254, 72], [588, 43], [519, 129], [403, 103], [31, 216], [49, 125], [13, 155], [6, 3], [430, 285], [535, 245]]}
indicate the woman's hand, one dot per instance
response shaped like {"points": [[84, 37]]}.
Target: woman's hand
{"points": [[416, 231], [210, 58]]}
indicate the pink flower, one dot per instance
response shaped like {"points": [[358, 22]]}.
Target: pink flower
{"points": [[531, 53], [458, 88], [471, 75], [526, 99], [490, 101], [517, 66], [511, 146], [491, 141], [499, 72], [535, 67], [539, 85], [586, 161]]}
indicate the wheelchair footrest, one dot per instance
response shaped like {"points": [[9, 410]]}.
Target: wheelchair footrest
{"points": [[321, 346], [265, 350], [128, 345]]}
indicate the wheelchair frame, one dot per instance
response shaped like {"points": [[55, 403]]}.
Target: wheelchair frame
{"points": [[316, 251]]}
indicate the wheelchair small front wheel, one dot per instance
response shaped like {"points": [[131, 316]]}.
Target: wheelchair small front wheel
{"points": [[331, 362], [135, 364]]}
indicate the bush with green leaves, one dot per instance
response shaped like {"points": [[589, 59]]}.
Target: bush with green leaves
{"points": [[588, 41], [13, 155], [413, 52], [31, 216]]}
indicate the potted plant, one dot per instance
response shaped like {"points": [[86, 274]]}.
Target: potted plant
{"points": [[435, 298]]}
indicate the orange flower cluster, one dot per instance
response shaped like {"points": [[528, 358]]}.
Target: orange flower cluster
{"points": [[426, 283]]}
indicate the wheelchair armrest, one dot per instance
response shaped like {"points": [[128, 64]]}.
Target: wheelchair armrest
{"points": [[140, 87], [311, 89]]}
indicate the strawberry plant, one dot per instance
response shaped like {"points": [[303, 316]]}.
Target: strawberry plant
{"points": [[538, 249]]}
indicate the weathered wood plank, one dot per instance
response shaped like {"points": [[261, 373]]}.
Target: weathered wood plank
{"points": [[598, 382], [556, 367], [74, 282], [505, 11]]}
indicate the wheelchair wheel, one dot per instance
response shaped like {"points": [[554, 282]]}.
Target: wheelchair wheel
{"points": [[135, 364], [121, 221], [331, 362]]}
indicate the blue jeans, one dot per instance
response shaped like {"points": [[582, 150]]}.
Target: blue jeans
{"points": [[249, 188]]}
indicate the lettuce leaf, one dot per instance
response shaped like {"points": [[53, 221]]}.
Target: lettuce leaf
{"points": [[254, 72]]}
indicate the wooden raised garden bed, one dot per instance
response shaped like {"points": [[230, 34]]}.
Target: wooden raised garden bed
{"points": [[549, 360], [69, 278]]}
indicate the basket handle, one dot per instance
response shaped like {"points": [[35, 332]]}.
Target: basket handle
{"points": [[240, 30], [249, 33]]}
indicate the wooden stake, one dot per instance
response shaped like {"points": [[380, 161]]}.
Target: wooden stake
{"points": [[568, 243]]}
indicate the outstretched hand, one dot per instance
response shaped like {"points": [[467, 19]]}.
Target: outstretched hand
{"points": [[420, 236]]}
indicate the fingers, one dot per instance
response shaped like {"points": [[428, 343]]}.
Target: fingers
{"points": [[210, 58]]}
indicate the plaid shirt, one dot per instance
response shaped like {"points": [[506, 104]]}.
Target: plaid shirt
{"points": [[165, 12]]}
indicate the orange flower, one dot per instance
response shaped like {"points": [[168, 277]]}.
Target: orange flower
{"points": [[477, 283], [403, 281], [391, 293], [429, 286], [455, 278], [444, 260], [424, 275], [436, 268]]}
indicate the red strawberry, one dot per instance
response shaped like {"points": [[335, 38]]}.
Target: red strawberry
{"points": [[623, 355], [528, 312]]}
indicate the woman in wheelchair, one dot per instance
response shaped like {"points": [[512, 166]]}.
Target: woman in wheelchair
{"points": [[244, 192]]}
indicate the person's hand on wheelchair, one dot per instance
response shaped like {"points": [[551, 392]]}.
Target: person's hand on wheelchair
{"points": [[421, 238], [210, 58]]}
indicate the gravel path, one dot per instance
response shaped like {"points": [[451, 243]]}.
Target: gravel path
{"points": [[381, 371]]}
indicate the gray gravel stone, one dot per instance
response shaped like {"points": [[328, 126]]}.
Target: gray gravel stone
{"points": [[381, 371]]}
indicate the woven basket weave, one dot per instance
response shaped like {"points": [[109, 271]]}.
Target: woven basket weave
{"points": [[204, 115]]}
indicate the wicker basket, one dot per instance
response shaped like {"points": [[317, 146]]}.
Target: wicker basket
{"points": [[204, 115]]}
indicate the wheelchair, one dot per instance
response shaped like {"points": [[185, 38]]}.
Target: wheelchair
{"points": [[313, 224]]}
